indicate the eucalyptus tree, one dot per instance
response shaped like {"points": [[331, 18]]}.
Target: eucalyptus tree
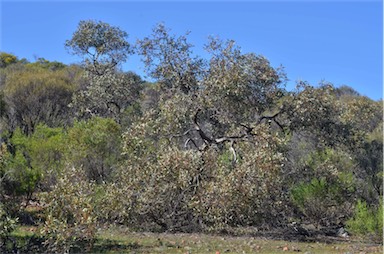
{"points": [[101, 45], [252, 148], [107, 95], [207, 138], [107, 91], [169, 59]]}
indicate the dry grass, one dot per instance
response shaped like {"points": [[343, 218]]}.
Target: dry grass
{"points": [[117, 240], [122, 240]]}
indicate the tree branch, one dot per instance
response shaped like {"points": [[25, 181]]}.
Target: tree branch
{"points": [[190, 140], [203, 136], [272, 118]]}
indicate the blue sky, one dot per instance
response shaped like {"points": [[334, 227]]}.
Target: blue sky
{"points": [[336, 41]]}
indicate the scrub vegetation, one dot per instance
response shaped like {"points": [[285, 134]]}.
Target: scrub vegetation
{"points": [[209, 155]]}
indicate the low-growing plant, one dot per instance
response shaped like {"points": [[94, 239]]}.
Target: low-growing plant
{"points": [[70, 222], [94, 146], [321, 202], [326, 198], [41, 155], [21, 178], [367, 220], [7, 226]]}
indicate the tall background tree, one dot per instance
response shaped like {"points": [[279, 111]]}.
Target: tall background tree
{"points": [[106, 92], [101, 45]]}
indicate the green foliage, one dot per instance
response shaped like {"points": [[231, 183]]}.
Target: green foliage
{"points": [[211, 144], [37, 159], [21, 178], [45, 64], [7, 226], [24, 179], [103, 46], [326, 196], [94, 146], [317, 188], [367, 220], [37, 95], [7, 59], [7, 221]]}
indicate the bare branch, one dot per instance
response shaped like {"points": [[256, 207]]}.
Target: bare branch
{"points": [[190, 140], [272, 118], [268, 117], [233, 152], [232, 139], [248, 129], [206, 139]]}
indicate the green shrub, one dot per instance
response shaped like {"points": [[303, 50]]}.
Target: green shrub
{"points": [[35, 161], [321, 202], [367, 221], [7, 225], [94, 146], [325, 189], [21, 178], [7, 59]]}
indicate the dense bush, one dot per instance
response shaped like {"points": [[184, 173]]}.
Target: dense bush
{"points": [[367, 221], [7, 222], [94, 146], [178, 189], [33, 161], [7, 225], [211, 144], [326, 196], [36, 95], [70, 222], [19, 177], [7, 59], [247, 193]]}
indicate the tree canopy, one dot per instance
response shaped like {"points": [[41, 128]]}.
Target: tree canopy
{"points": [[101, 45]]}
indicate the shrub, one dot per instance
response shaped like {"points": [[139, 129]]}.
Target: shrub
{"points": [[7, 225], [159, 194], [33, 161], [246, 193], [367, 220], [326, 188], [36, 95], [94, 146], [7, 59], [21, 178], [70, 222]]}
